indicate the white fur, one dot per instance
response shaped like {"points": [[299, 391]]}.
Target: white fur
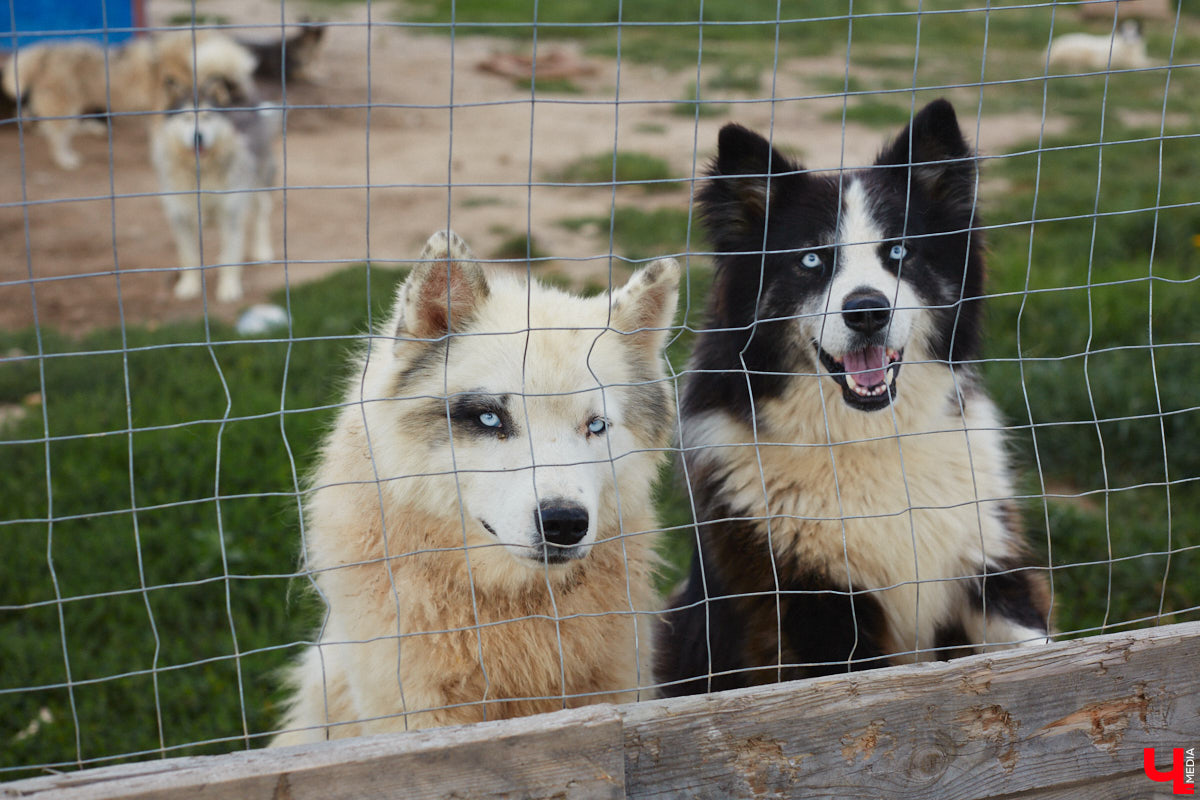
{"points": [[432, 620], [217, 181], [911, 500], [220, 55], [1125, 50], [859, 268]]}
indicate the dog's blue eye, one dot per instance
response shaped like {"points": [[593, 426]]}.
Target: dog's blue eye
{"points": [[811, 260], [898, 252], [489, 419], [597, 426]]}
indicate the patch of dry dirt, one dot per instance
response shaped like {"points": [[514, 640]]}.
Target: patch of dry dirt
{"points": [[442, 143]]}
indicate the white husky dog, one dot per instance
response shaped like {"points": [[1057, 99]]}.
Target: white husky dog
{"points": [[477, 524], [214, 155]]}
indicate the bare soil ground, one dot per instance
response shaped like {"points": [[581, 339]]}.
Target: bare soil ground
{"points": [[401, 135]]}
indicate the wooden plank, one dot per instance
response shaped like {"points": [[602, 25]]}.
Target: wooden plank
{"points": [[1050, 723], [569, 755], [1131, 786], [1032, 720]]}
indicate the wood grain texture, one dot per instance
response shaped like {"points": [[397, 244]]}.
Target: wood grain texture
{"points": [[1058, 722], [1032, 720], [1132, 786], [570, 755]]}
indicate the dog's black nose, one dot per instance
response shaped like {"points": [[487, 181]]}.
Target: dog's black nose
{"points": [[560, 523], [866, 312]]}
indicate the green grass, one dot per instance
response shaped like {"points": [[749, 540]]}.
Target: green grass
{"points": [[639, 234], [663, 32], [550, 85], [668, 33], [874, 113], [201, 569], [559, 280], [642, 171], [518, 247], [480, 201], [737, 77], [695, 106], [839, 83], [1094, 351], [197, 19]]}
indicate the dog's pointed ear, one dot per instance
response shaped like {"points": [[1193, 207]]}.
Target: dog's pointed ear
{"points": [[645, 305], [443, 292], [743, 178], [934, 148]]}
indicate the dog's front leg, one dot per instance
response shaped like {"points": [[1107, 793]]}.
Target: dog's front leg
{"points": [[263, 251], [234, 218], [184, 217], [58, 133]]}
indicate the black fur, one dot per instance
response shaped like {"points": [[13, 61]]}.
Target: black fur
{"points": [[285, 58], [723, 629], [1013, 591], [951, 641]]}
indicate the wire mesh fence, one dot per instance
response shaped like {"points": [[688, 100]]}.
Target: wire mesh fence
{"points": [[167, 503]]}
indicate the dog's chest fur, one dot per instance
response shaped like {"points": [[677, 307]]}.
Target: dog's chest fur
{"points": [[182, 171], [903, 515]]}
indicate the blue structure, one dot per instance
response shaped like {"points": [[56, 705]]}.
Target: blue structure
{"points": [[111, 21]]}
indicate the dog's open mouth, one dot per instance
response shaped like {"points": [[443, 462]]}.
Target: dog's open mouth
{"points": [[867, 376]]}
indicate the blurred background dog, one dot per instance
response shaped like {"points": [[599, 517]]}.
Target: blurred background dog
{"points": [[70, 86], [289, 58], [1124, 50], [214, 154], [60, 82]]}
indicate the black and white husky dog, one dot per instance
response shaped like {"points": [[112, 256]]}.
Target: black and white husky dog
{"points": [[853, 494]]}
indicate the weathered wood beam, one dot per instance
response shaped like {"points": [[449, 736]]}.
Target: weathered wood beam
{"points": [[569, 755], [1025, 720], [1055, 722]]}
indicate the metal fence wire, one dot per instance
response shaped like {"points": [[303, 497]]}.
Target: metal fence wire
{"points": [[165, 559]]}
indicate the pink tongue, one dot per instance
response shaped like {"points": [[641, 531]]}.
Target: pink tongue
{"points": [[866, 365]]}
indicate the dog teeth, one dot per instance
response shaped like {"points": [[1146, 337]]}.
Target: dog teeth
{"points": [[867, 391], [891, 375]]}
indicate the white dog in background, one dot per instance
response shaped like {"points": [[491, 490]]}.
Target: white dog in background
{"points": [[1125, 50], [214, 153]]}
